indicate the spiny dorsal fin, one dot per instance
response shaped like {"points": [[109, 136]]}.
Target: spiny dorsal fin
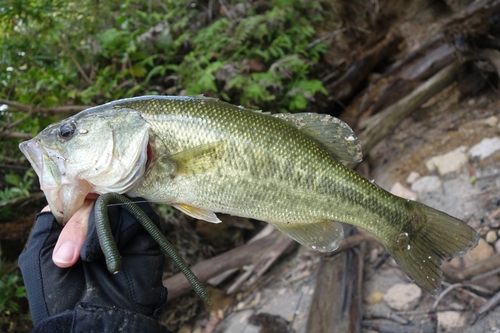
{"points": [[323, 236], [198, 159], [335, 135]]}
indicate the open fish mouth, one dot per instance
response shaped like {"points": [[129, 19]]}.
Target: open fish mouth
{"points": [[63, 196]]}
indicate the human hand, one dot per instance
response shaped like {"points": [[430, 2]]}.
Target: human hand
{"points": [[67, 249], [85, 288]]}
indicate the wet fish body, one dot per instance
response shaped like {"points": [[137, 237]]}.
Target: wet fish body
{"points": [[204, 156]]}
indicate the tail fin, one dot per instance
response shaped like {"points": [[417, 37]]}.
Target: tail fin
{"points": [[426, 240]]}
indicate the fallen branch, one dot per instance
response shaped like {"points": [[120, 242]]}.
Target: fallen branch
{"points": [[238, 257], [494, 301], [411, 77], [346, 86], [396, 66], [336, 302], [15, 201], [260, 267], [247, 254], [381, 124], [481, 268]]}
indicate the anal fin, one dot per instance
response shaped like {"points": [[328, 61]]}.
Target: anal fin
{"points": [[198, 213], [322, 236]]}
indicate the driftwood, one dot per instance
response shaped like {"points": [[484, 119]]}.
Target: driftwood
{"points": [[259, 253], [250, 277], [336, 303], [346, 86], [381, 124], [412, 76], [238, 257], [399, 64]]}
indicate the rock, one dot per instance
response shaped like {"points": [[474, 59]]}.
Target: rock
{"points": [[373, 255], [448, 321], [491, 236], [448, 163], [375, 298], [402, 297], [403, 192], [491, 121], [482, 251], [497, 246], [483, 102], [426, 184], [486, 148], [412, 177]]}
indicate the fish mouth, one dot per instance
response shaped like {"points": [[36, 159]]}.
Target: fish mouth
{"points": [[63, 196]]}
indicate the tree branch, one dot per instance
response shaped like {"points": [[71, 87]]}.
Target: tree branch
{"points": [[57, 109], [77, 64], [15, 135]]}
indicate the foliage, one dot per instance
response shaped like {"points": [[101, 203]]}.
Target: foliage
{"points": [[56, 52], [16, 188], [11, 289], [20, 186]]}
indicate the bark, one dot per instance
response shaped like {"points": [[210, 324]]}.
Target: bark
{"points": [[348, 85]]}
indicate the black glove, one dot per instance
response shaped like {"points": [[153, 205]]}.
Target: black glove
{"points": [[86, 297]]}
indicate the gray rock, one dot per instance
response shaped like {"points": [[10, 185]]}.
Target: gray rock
{"points": [[491, 236], [486, 148], [449, 321], [403, 192], [403, 297], [412, 177], [448, 163], [426, 184]]}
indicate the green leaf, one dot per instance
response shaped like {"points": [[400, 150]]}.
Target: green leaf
{"points": [[156, 70], [138, 70], [13, 179]]}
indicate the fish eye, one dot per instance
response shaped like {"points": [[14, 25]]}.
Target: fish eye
{"points": [[66, 130]]}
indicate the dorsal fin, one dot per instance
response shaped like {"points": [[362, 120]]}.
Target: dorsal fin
{"points": [[335, 135]]}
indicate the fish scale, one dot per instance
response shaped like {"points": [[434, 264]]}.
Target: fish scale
{"points": [[289, 170]]}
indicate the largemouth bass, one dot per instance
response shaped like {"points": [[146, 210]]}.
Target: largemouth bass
{"points": [[204, 156]]}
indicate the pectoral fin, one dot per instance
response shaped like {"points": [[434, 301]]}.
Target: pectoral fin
{"points": [[198, 213], [198, 159], [323, 236]]}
